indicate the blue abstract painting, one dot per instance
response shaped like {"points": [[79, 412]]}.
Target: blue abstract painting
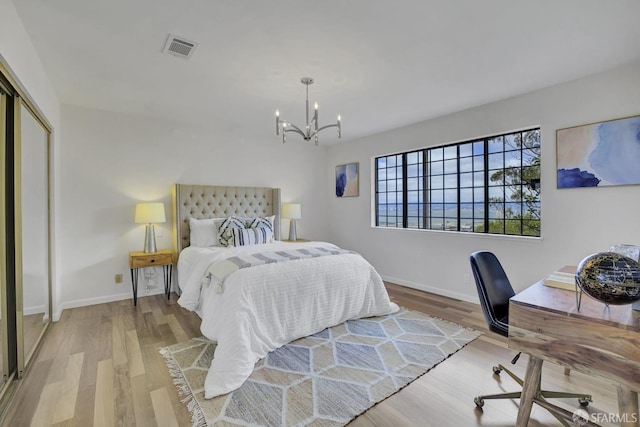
{"points": [[347, 180], [599, 154]]}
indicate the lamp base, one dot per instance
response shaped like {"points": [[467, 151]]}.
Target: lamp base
{"points": [[292, 231], [150, 239]]}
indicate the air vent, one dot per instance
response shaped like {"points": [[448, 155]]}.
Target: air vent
{"points": [[180, 47]]}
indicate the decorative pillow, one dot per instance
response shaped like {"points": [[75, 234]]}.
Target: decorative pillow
{"points": [[251, 236], [262, 222], [224, 230], [204, 232]]}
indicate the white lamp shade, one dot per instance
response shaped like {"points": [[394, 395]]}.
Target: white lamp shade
{"points": [[291, 211], [150, 213]]}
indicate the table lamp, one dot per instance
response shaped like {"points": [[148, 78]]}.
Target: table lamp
{"points": [[150, 213], [293, 212]]}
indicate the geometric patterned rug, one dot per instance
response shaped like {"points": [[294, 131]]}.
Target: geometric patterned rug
{"points": [[325, 379]]}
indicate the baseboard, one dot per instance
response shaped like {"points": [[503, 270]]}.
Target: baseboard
{"points": [[438, 291], [33, 310], [101, 300]]}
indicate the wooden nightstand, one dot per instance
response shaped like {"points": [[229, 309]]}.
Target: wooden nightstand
{"points": [[139, 259]]}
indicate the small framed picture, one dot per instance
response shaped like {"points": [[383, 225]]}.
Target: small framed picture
{"points": [[347, 180]]}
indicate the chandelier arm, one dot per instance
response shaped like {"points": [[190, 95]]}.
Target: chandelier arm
{"points": [[327, 126], [293, 128]]}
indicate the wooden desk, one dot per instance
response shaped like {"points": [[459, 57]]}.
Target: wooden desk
{"points": [[603, 342]]}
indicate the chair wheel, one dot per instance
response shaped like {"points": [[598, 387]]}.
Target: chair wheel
{"points": [[584, 401], [497, 370], [479, 402]]}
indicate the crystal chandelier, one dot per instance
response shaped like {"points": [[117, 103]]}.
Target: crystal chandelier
{"points": [[312, 127]]}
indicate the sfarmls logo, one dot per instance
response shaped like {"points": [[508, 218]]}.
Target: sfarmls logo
{"points": [[582, 417]]}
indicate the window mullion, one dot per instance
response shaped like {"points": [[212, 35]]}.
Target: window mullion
{"points": [[458, 186], [377, 196], [425, 192], [405, 192], [486, 184]]}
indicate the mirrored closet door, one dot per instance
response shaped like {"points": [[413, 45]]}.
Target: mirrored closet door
{"points": [[25, 236], [32, 232], [4, 350]]}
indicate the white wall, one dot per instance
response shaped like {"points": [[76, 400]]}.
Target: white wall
{"points": [[108, 162], [19, 55], [575, 222], [111, 161]]}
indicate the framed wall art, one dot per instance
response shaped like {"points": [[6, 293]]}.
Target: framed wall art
{"points": [[347, 180], [599, 154]]}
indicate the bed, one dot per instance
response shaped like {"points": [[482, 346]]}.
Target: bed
{"points": [[249, 300]]}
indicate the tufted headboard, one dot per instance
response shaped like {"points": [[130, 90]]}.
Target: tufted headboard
{"points": [[211, 201]]}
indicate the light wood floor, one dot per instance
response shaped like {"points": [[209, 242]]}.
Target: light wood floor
{"points": [[100, 366]]}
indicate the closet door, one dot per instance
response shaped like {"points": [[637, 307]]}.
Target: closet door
{"points": [[31, 157], [4, 349]]}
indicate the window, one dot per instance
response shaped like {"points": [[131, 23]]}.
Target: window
{"points": [[488, 185]]}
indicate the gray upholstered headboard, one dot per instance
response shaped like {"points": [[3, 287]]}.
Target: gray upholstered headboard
{"points": [[211, 201]]}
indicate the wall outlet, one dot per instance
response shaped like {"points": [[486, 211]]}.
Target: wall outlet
{"points": [[118, 278]]}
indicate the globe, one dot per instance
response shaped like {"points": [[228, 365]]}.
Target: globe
{"points": [[610, 277]]}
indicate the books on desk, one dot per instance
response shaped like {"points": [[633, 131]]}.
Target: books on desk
{"points": [[565, 278]]}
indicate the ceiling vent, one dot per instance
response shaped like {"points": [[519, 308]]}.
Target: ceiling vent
{"points": [[179, 46]]}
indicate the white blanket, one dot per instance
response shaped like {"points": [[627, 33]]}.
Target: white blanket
{"points": [[267, 306]]}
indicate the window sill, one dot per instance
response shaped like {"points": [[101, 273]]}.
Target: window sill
{"points": [[529, 239]]}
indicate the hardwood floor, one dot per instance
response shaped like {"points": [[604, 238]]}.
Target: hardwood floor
{"points": [[100, 366]]}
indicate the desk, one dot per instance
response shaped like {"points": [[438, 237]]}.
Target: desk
{"points": [[598, 341]]}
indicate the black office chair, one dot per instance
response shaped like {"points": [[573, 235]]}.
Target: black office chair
{"points": [[494, 290]]}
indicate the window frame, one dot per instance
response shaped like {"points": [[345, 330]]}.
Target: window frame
{"points": [[518, 216]]}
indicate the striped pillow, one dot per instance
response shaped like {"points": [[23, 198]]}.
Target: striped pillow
{"points": [[224, 230], [252, 236], [261, 222]]}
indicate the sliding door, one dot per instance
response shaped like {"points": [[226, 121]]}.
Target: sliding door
{"points": [[4, 350], [25, 255], [31, 159]]}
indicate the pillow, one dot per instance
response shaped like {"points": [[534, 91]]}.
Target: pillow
{"points": [[264, 222], [225, 227], [204, 232], [251, 236]]}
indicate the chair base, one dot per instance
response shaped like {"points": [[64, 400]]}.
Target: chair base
{"points": [[583, 399]]}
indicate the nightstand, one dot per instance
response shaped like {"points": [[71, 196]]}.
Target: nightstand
{"points": [[139, 259]]}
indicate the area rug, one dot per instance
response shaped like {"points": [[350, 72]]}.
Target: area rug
{"points": [[325, 379]]}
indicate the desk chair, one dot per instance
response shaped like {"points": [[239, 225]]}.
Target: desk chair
{"points": [[495, 290]]}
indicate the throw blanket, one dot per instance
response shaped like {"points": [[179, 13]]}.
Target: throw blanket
{"points": [[218, 271]]}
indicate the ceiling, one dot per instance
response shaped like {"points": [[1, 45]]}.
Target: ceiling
{"points": [[380, 64]]}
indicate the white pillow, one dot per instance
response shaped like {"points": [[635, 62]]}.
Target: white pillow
{"points": [[204, 232], [250, 236]]}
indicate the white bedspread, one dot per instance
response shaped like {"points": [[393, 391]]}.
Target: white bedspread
{"points": [[267, 306]]}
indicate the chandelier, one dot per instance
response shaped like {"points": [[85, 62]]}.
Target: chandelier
{"points": [[312, 127]]}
